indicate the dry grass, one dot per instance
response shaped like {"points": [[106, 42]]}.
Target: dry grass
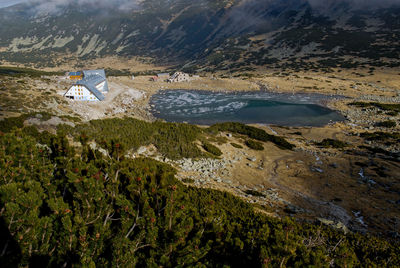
{"points": [[383, 82]]}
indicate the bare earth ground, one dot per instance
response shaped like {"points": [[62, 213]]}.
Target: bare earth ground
{"points": [[344, 187]]}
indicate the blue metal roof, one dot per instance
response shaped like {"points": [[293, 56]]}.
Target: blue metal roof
{"points": [[75, 73], [90, 82], [163, 74], [100, 72]]}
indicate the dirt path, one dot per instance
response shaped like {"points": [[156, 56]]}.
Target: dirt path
{"points": [[115, 90]]}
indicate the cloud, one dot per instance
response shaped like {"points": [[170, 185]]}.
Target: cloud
{"points": [[7, 3], [55, 6]]}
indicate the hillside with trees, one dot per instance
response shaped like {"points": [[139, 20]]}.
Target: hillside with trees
{"points": [[74, 206]]}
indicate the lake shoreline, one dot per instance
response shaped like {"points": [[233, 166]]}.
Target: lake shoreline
{"points": [[162, 106]]}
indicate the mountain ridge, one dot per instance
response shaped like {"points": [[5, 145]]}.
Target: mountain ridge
{"points": [[234, 33]]}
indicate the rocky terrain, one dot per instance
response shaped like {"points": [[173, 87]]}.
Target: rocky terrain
{"points": [[310, 183]]}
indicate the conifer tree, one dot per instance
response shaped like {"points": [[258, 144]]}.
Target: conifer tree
{"points": [[65, 206]]}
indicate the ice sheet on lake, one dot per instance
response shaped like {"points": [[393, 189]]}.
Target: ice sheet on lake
{"points": [[247, 107]]}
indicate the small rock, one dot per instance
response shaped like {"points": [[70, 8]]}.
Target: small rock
{"points": [[341, 226], [326, 221], [142, 150], [334, 165], [315, 169]]}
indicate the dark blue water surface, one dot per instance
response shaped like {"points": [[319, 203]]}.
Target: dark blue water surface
{"points": [[206, 108]]}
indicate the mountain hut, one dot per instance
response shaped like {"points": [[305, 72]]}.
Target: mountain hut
{"points": [[91, 87]]}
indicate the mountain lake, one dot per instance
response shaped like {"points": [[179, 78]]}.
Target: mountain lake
{"points": [[258, 107]]}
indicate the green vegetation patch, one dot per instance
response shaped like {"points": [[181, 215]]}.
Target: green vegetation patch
{"points": [[387, 124], [8, 124], [41, 137], [174, 140], [383, 106], [255, 145], [60, 208], [212, 149], [377, 150], [392, 113], [251, 132], [254, 193], [21, 72], [332, 143], [380, 136], [115, 72], [188, 180], [238, 146]]}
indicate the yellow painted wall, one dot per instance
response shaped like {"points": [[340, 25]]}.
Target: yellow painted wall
{"points": [[75, 77]]}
